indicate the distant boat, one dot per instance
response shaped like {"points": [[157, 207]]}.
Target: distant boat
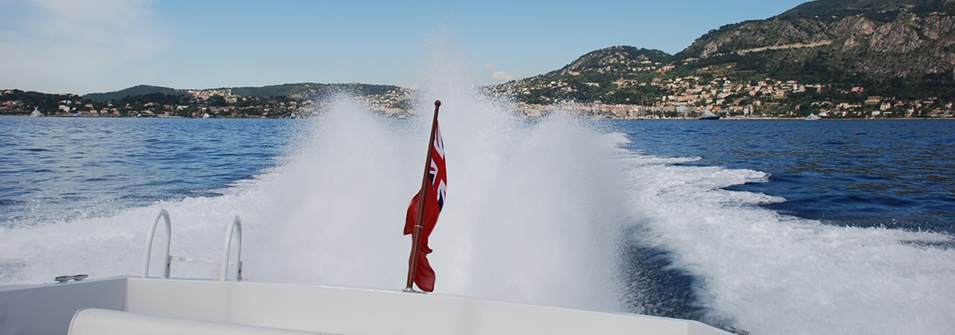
{"points": [[813, 117], [36, 113], [708, 115], [206, 116]]}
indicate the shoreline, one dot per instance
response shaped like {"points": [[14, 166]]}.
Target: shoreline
{"points": [[582, 117]]}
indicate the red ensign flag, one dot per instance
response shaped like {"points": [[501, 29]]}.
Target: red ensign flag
{"points": [[437, 186]]}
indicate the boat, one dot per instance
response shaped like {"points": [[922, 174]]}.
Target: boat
{"points": [[163, 305], [36, 112], [813, 117], [133, 305], [708, 115]]}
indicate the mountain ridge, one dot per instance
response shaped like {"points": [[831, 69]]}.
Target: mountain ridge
{"points": [[901, 51], [910, 44], [132, 92], [875, 8], [285, 90]]}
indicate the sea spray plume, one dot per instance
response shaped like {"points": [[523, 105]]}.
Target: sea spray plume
{"points": [[541, 219], [335, 210], [536, 206], [533, 218]]}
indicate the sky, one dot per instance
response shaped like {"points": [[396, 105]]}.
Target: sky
{"points": [[88, 46]]}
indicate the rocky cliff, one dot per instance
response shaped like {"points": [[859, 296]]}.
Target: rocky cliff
{"points": [[852, 57], [851, 39]]}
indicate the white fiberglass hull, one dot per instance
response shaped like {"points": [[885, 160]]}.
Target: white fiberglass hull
{"points": [[248, 307]]}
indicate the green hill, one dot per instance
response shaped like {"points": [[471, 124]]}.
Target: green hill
{"points": [[313, 90], [133, 92], [301, 90], [893, 47], [610, 75], [903, 49]]}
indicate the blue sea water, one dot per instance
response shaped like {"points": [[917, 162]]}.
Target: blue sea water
{"points": [[774, 226], [897, 174], [56, 169]]}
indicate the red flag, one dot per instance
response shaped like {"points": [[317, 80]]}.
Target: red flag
{"points": [[437, 187]]}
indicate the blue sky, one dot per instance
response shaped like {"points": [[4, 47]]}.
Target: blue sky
{"points": [[76, 46]]}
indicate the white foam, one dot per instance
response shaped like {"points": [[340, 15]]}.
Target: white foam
{"points": [[523, 221], [774, 274]]}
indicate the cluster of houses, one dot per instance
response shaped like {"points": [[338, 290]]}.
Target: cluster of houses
{"points": [[691, 96], [218, 103], [688, 97]]}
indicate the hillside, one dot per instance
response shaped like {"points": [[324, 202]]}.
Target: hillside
{"points": [[311, 90], [893, 47], [133, 92], [612, 75], [892, 57], [286, 100], [885, 9]]}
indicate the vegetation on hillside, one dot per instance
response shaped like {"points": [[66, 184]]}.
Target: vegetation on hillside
{"points": [[893, 56], [138, 90], [885, 10]]}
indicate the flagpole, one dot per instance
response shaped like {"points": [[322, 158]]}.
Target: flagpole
{"points": [[422, 195]]}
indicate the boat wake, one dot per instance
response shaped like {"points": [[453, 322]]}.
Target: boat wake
{"points": [[770, 273]]}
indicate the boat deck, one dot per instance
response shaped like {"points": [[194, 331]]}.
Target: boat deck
{"points": [[209, 307]]}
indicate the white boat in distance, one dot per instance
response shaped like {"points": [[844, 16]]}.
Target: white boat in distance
{"points": [[708, 115], [813, 117], [150, 305]]}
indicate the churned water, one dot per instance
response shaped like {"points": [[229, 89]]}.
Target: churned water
{"points": [[777, 227]]}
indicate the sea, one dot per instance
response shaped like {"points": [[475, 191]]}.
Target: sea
{"points": [[772, 226]]}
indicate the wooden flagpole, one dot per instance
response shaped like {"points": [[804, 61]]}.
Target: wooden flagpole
{"points": [[422, 196]]}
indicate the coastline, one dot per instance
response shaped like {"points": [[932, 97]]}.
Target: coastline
{"points": [[760, 118]]}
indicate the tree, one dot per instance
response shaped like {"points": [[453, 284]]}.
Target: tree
{"points": [[217, 101]]}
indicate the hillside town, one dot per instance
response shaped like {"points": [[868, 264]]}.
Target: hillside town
{"points": [[207, 103], [691, 96]]}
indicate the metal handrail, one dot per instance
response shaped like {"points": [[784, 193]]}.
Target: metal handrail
{"points": [[235, 227], [149, 244]]}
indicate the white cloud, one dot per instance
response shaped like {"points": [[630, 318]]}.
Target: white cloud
{"points": [[488, 66], [503, 76], [74, 46]]}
